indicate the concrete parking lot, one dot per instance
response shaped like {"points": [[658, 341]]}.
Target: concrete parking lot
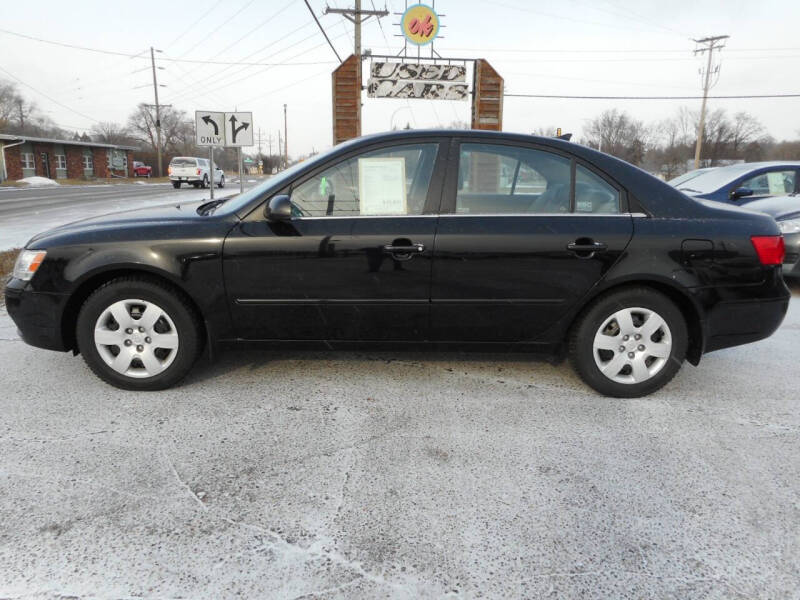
{"points": [[402, 476]]}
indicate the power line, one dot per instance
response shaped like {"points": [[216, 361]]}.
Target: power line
{"points": [[195, 22], [731, 97], [322, 29], [217, 27], [53, 100]]}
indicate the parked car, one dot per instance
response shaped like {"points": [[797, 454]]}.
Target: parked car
{"points": [[744, 182], [142, 170], [194, 171], [786, 211], [414, 240]]}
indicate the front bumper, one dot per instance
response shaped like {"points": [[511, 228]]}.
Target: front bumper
{"points": [[37, 315]]}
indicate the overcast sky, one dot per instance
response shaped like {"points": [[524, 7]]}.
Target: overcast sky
{"points": [[572, 47]]}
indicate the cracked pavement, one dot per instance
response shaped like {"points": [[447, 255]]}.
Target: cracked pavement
{"points": [[401, 476]]}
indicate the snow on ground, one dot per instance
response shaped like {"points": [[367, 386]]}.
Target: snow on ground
{"points": [[16, 231], [39, 182]]}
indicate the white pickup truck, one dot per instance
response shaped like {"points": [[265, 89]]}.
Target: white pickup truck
{"points": [[189, 169]]}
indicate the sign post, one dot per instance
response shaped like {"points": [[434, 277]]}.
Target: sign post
{"points": [[211, 162], [241, 176]]}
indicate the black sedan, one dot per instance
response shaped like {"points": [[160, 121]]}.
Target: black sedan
{"points": [[786, 211], [410, 241]]}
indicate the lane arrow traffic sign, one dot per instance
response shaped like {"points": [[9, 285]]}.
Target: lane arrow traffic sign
{"points": [[234, 129], [208, 119]]}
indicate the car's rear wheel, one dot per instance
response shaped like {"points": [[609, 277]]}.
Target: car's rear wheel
{"points": [[138, 334], [629, 343], [176, 184]]}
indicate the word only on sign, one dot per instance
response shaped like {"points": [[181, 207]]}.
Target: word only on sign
{"points": [[223, 128]]}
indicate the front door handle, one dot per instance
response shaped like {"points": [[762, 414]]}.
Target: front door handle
{"points": [[586, 248], [405, 251]]}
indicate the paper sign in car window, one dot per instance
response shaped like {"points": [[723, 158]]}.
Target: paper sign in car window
{"points": [[777, 183], [382, 186]]}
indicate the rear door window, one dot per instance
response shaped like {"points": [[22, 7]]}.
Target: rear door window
{"points": [[497, 179]]}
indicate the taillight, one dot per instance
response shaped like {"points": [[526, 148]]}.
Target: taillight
{"points": [[169, 170], [770, 248], [198, 171]]}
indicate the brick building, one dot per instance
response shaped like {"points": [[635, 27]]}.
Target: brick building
{"points": [[24, 156]]}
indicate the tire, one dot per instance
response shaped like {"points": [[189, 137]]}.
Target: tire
{"points": [[139, 361], [176, 184], [604, 339], [221, 183]]}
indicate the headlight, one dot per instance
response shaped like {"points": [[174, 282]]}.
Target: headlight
{"points": [[789, 226], [28, 263]]}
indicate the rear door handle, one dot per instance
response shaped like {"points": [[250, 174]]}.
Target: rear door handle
{"points": [[404, 252], [412, 249], [586, 248]]}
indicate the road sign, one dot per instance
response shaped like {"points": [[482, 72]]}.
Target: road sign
{"points": [[238, 129], [209, 128]]}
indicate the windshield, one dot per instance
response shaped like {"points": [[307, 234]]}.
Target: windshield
{"points": [[713, 179], [274, 183], [675, 182]]}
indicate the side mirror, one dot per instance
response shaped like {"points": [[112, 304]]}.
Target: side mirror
{"points": [[741, 193], [279, 208]]}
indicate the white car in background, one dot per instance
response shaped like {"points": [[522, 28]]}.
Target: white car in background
{"points": [[193, 170]]}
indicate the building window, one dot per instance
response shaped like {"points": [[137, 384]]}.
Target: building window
{"points": [[61, 161], [88, 163], [27, 160]]}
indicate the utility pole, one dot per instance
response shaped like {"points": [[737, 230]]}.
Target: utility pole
{"points": [[285, 138], [280, 160], [709, 45], [158, 111], [357, 17], [21, 115]]}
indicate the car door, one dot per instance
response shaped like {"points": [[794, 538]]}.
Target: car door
{"points": [[772, 181], [354, 262], [525, 232]]}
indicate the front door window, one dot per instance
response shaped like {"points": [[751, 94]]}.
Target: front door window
{"points": [[387, 182], [772, 183]]}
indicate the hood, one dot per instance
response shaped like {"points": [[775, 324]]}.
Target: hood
{"points": [[119, 223]]}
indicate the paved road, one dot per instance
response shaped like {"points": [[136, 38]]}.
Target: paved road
{"points": [[402, 476], [25, 212]]}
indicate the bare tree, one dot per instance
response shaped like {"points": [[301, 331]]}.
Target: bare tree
{"points": [[109, 132], [616, 133]]}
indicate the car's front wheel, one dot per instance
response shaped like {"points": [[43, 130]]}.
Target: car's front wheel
{"points": [[629, 343], [138, 334]]}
